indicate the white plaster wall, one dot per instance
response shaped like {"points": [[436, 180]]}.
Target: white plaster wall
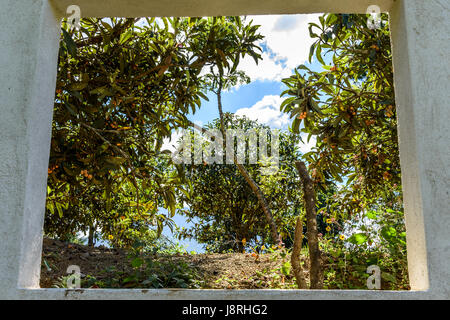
{"points": [[189, 294], [142, 8], [29, 34], [421, 34]]}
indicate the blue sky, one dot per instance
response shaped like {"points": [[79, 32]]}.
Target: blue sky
{"points": [[285, 46]]}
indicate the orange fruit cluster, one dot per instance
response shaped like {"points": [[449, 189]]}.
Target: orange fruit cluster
{"points": [[86, 174], [389, 111], [302, 115], [352, 111], [52, 168]]}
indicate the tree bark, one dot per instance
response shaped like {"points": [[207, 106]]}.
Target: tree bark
{"points": [[91, 236], [295, 256], [315, 269]]}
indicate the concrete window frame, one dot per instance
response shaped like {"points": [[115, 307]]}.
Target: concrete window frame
{"points": [[29, 40]]}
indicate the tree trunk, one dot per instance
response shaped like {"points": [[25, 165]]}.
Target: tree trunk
{"points": [[295, 256], [315, 269], [91, 236], [256, 190]]}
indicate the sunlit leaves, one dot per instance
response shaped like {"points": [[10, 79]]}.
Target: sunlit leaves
{"points": [[121, 89], [349, 107]]}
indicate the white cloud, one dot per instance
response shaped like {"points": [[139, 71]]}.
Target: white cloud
{"points": [[171, 143], [267, 69], [267, 111], [287, 43], [306, 146]]}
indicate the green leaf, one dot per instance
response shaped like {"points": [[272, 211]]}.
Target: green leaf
{"points": [[358, 238], [311, 52], [286, 268], [59, 209], [319, 54], [388, 277], [296, 125], [69, 107], [286, 103], [371, 215], [137, 262], [125, 36], [78, 86], [106, 25], [70, 44], [315, 106]]}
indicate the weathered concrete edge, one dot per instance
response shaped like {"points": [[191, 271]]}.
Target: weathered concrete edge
{"points": [[194, 8], [212, 294]]}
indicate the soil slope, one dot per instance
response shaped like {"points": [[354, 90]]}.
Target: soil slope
{"points": [[220, 271]]}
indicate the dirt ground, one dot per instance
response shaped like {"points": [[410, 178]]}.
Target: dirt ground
{"points": [[220, 271]]}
